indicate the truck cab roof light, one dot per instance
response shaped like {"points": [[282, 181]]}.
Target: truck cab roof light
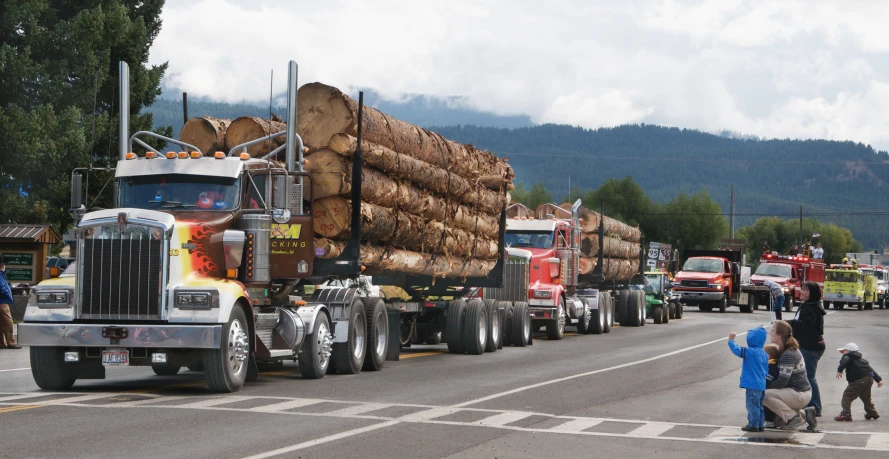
{"points": [[245, 156], [131, 155], [195, 155], [149, 155], [171, 155], [219, 155], [183, 155]]}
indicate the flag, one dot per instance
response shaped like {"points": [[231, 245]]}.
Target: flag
{"points": [[816, 234]]}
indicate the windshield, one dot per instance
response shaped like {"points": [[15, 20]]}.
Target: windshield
{"points": [[702, 265], [773, 270], [653, 284], [879, 275], [841, 276], [180, 192], [70, 271], [533, 239]]}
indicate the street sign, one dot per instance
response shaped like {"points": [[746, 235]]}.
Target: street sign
{"points": [[659, 254]]}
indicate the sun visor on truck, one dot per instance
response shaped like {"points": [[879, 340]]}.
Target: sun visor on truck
{"points": [[229, 168]]}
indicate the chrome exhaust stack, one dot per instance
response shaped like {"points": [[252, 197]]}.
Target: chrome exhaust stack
{"points": [[124, 71]]}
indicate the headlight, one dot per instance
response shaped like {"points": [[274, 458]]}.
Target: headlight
{"points": [[786, 289], [715, 285], [827, 290], [197, 299], [544, 294], [53, 299]]}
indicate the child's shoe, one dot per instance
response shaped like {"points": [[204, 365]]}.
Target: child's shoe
{"points": [[770, 425], [843, 417], [750, 428], [873, 416]]}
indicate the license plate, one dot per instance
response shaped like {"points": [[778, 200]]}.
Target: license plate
{"points": [[114, 358]]}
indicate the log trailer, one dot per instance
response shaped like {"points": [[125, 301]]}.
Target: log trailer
{"points": [[209, 262], [558, 294]]}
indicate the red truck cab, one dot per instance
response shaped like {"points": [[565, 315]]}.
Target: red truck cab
{"points": [[542, 238], [789, 272], [705, 282]]}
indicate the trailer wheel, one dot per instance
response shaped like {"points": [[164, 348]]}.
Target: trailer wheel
{"points": [[555, 327], [456, 312], [165, 370], [598, 318], [658, 314], [495, 331], [521, 325], [502, 307], [314, 354], [348, 357], [197, 366], [640, 300], [622, 309], [377, 333], [508, 317], [635, 315], [226, 368], [608, 310], [475, 329], [49, 369], [585, 321]]}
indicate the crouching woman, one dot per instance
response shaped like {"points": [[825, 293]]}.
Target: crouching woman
{"points": [[790, 392]]}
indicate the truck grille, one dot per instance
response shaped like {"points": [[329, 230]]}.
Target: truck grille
{"points": [[121, 278], [694, 283], [516, 275]]}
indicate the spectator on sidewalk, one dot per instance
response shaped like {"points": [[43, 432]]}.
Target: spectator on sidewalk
{"points": [[787, 395], [776, 294], [860, 377], [7, 340], [808, 329]]}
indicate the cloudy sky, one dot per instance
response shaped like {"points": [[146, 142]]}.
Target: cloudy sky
{"points": [[797, 69]]}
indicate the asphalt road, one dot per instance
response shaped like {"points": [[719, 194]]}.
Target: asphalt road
{"points": [[669, 390]]}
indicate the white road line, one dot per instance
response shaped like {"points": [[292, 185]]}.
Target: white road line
{"points": [[581, 375], [15, 369], [722, 432], [76, 400], [504, 418], [322, 440], [878, 441], [428, 414], [577, 425], [216, 401], [20, 396], [356, 410], [807, 438], [290, 404], [159, 399], [651, 429]]}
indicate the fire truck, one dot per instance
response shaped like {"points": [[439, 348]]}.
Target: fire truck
{"points": [[788, 271], [881, 274]]}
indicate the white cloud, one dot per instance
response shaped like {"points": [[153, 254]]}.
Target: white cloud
{"points": [[792, 68]]}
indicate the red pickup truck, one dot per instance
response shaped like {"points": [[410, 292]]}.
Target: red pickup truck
{"points": [[713, 279]]}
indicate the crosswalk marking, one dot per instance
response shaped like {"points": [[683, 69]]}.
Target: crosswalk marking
{"points": [[504, 418], [496, 419], [578, 425], [651, 429]]}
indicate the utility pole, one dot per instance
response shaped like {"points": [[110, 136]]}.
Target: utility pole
{"points": [[184, 107], [731, 218], [801, 226], [569, 188]]}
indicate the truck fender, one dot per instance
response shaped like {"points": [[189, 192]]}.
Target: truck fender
{"points": [[309, 313], [576, 308], [339, 304]]}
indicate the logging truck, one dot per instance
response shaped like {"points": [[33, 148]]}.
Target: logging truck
{"points": [[210, 262]]}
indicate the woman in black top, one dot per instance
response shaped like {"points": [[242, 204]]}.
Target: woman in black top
{"points": [[808, 329]]}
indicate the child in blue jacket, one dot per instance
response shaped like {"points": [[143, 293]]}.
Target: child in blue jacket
{"points": [[753, 375]]}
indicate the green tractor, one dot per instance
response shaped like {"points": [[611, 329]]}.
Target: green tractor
{"points": [[658, 304]]}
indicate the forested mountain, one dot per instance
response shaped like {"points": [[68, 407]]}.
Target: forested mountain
{"points": [[840, 182]]}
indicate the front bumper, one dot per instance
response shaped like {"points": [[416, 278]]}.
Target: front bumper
{"points": [[692, 297], [543, 313], [139, 336], [836, 298]]}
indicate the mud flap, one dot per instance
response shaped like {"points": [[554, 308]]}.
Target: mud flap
{"points": [[393, 352], [252, 369]]}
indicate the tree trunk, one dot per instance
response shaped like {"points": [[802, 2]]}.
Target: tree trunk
{"points": [[247, 128], [419, 172], [615, 269], [332, 176], [381, 260], [551, 209], [325, 111], [387, 226], [207, 133], [589, 223], [613, 247]]}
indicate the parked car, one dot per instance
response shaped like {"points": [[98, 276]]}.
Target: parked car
{"points": [[61, 263]]}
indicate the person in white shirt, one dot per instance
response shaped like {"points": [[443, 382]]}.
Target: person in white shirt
{"points": [[776, 292], [818, 253]]}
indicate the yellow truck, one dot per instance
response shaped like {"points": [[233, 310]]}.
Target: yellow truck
{"points": [[844, 284]]}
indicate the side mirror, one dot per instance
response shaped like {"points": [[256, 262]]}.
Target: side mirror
{"points": [[282, 192], [76, 197], [54, 272]]}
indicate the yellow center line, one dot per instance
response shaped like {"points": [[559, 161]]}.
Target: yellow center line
{"points": [[19, 408], [422, 354]]}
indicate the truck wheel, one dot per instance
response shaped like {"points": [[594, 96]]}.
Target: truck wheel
{"points": [[597, 319], [314, 354], [640, 300], [680, 311], [432, 337], [476, 327], [621, 309], [494, 326], [502, 308], [165, 370], [348, 357], [521, 325], [751, 303], [585, 321], [788, 304], [555, 328], [608, 311], [658, 314], [456, 312], [723, 303], [666, 313], [226, 368], [860, 305], [883, 303], [635, 315], [377, 333], [49, 369], [197, 366]]}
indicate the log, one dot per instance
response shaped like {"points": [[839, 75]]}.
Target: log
{"points": [[207, 133], [613, 247], [615, 269], [421, 173], [382, 259], [385, 226], [551, 209], [332, 176], [247, 128], [324, 111], [589, 223]]}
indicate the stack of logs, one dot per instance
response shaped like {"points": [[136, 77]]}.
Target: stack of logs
{"points": [[429, 206], [621, 246]]}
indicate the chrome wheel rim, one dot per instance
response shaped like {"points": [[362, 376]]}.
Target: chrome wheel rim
{"points": [[382, 326], [495, 326], [324, 342], [526, 328], [358, 336], [238, 348], [561, 319], [483, 331]]}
